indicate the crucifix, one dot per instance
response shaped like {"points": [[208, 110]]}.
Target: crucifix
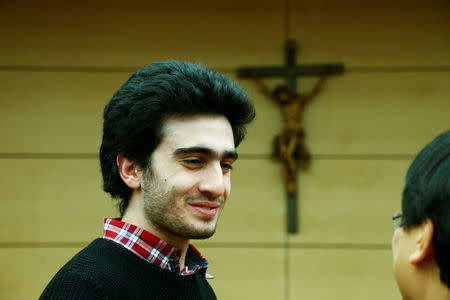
{"points": [[288, 147]]}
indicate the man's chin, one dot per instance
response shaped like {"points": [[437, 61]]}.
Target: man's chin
{"points": [[201, 237], [201, 234]]}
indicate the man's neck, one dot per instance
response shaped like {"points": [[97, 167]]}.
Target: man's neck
{"points": [[437, 291], [176, 241], [431, 287]]}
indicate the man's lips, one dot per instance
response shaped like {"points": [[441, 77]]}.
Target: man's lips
{"points": [[205, 208]]}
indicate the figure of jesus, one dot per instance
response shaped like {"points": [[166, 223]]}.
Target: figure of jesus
{"points": [[289, 147]]}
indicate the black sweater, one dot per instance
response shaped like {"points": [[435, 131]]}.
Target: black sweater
{"points": [[106, 270]]}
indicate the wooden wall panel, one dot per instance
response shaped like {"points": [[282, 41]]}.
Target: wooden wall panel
{"points": [[342, 274], [59, 200], [247, 273], [112, 34], [26, 272], [350, 201], [54, 112], [373, 113], [373, 33], [385, 113], [108, 33], [63, 199], [380, 113]]}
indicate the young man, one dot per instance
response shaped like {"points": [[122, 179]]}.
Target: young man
{"points": [[168, 146], [421, 241]]}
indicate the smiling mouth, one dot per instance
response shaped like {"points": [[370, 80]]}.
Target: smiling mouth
{"points": [[206, 210]]}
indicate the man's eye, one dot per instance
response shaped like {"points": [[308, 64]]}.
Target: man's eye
{"points": [[227, 166], [192, 162]]}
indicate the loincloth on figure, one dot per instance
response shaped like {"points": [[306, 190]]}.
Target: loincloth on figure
{"points": [[290, 146]]}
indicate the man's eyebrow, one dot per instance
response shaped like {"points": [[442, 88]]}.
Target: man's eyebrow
{"points": [[231, 154]]}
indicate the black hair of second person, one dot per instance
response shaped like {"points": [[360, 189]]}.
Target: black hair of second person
{"points": [[133, 118], [427, 196]]}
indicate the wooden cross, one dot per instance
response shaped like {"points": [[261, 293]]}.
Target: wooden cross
{"points": [[289, 148]]}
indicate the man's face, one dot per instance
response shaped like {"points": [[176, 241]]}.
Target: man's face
{"points": [[188, 182]]}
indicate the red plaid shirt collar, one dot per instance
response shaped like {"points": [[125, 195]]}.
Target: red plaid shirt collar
{"points": [[153, 249]]}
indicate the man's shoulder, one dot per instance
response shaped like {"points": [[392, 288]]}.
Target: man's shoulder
{"points": [[90, 257], [75, 279], [84, 273], [70, 284]]}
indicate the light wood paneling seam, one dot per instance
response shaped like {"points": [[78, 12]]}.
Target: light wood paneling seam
{"points": [[129, 69], [241, 156], [331, 246]]}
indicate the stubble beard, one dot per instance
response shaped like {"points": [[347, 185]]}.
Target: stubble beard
{"points": [[160, 208]]}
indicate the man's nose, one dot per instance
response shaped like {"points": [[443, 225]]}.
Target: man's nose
{"points": [[213, 181]]}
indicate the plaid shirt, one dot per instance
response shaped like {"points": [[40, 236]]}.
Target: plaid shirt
{"points": [[153, 249]]}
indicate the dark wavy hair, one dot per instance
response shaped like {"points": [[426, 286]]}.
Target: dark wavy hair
{"points": [[427, 196], [133, 118]]}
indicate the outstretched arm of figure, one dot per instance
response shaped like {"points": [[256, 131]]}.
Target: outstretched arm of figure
{"points": [[319, 85], [262, 87]]}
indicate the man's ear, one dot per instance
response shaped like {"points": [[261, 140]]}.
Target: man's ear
{"points": [[128, 171], [424, 243]]}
